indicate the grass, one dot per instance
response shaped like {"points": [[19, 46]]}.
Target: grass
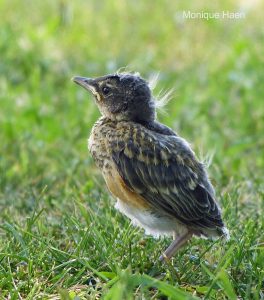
{"points": [[60, 237]]}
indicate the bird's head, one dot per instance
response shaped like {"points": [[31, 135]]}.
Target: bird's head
{"points": [[121, 97]]}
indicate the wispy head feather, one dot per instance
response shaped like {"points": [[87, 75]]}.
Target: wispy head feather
{"points": [[152, 82], [123, 71], [163, 97]]}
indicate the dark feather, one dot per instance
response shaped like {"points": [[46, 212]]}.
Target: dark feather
{"points": [[165, 172]]}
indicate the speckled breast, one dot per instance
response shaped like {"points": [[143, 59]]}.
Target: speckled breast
{"points": [[102, 133], [98, 144]]}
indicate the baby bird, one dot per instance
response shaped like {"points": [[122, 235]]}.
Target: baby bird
{"points": [[153, 173]]}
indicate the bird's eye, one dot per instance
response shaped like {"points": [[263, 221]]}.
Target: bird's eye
{"points": [[105, 90]]}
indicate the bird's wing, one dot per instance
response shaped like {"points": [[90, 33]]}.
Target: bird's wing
{"points": [[165, 172]]}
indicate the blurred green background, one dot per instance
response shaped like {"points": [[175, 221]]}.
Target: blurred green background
{"points": [[48, 180]]}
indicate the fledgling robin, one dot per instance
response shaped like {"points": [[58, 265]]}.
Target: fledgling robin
{"points": [[154, 174]]}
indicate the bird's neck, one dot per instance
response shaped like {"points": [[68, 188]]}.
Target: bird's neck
{"points": [[157, 127], [150, 125]]}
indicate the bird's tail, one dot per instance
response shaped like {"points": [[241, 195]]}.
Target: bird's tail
{"points": [[224, 232], [215, 233]]}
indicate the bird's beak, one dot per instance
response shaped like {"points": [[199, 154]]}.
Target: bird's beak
{"points": [[87, 83]]}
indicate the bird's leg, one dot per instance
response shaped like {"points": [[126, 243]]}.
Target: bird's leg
{"points": [[176, 244]]}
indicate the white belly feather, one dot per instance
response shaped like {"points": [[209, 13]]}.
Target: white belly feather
{"points": [[153, 224]]}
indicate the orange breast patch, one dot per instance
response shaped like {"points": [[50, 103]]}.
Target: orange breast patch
{"points": [[119, 189]]}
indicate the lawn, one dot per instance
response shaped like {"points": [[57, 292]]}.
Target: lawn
{"points": [[60, 236]]}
